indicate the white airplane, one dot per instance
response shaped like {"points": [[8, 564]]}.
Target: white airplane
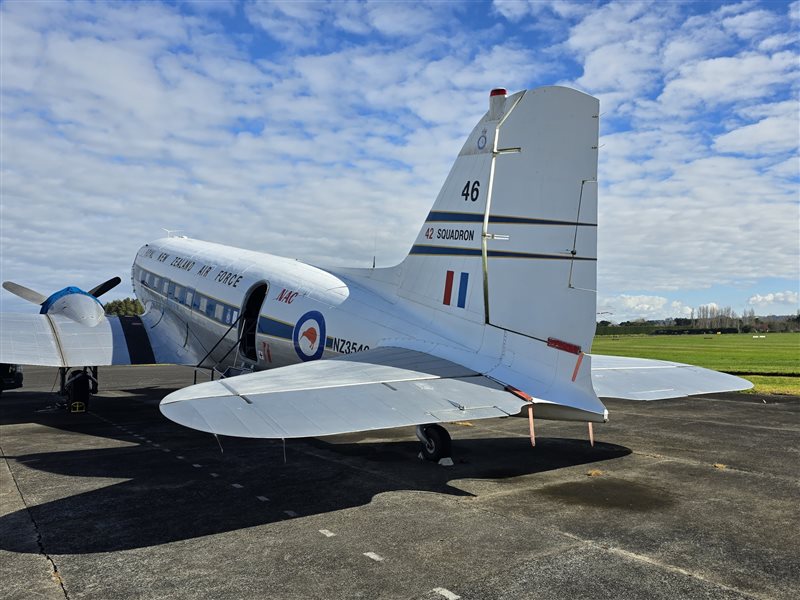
{"points": [[491, 314]]}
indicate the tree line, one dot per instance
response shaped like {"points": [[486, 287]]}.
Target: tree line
{"points": [[706, 319], [127, 307]]}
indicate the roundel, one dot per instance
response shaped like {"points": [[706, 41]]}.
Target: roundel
{"points": [[309, 336]]}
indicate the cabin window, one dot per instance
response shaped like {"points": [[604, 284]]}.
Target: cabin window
{"points": [[171, 289], [189, 298], [211, 307], [230, 315], [180, 293], [202, 305], [220, 308]]}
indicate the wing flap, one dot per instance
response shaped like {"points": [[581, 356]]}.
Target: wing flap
{"points": [[646, 379], [378, 389]]}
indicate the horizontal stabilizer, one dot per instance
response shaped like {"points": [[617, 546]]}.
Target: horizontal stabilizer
{"points": [[377, 389], [645, 379]]}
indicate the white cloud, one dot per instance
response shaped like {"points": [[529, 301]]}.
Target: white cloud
{"points": [[735, 9], [293, 23], [308, 24], [727, 79], [625, 307], [751, 24], [794, 10], [781, 300], [516, 10], [787, 169], [706, 223], [695, 43], [770, 135], [777, 42]]}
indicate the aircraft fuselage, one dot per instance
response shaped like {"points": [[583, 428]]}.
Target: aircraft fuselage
{"points": [[271, 311]]}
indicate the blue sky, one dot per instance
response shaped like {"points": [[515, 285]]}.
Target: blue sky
{"points": [[323, 131]]}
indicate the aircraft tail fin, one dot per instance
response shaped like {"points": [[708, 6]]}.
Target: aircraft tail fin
{"points": [[511, 240]]}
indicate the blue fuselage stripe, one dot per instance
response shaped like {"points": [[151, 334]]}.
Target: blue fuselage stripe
{"points": [[504, 254], [447, 251], [458, 217], [274, 328], [454, 217]]}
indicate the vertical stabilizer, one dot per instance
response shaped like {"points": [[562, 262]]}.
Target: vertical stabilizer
{"points": [[511, 240]]}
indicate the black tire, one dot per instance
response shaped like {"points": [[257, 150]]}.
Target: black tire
{"points": [[438, 445]]}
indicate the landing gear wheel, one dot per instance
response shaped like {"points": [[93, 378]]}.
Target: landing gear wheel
{"points": [[436, 442]]}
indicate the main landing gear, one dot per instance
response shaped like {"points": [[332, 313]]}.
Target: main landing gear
{"points": [[78, 386], [436, 444]]}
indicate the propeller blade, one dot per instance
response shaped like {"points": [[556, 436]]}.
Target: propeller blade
{"points": [[24, 293], [105, 286]]}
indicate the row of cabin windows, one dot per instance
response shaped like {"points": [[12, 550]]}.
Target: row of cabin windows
{"points": [[214, 309]]}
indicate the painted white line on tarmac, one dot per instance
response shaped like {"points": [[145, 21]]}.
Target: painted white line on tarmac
{"points": [[263, 498], [446, 593], [373, 556], [327, 533], [291, 513], [238, 486]]}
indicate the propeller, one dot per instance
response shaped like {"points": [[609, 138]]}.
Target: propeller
{"points": [[105, 286], [25, 293], [37, 298]]}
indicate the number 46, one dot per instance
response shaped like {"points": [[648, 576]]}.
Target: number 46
{"points": [[471, 190]]}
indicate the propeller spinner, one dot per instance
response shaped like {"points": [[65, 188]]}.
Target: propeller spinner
{"points": [[71, 302]]}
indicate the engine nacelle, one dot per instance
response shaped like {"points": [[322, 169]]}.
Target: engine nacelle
{"points": [[75, 304]]}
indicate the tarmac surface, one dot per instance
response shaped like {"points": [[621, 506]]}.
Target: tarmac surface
{"points": [[687, 498]]}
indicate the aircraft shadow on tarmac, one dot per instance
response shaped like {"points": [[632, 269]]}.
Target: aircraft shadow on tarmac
{"points": [[164, 499]]}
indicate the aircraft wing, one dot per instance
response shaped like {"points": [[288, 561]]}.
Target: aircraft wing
{"points": [[57, 341], [645, 379], [376, 389]]}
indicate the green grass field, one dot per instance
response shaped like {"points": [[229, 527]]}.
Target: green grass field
{"points": [[772, 363]]}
